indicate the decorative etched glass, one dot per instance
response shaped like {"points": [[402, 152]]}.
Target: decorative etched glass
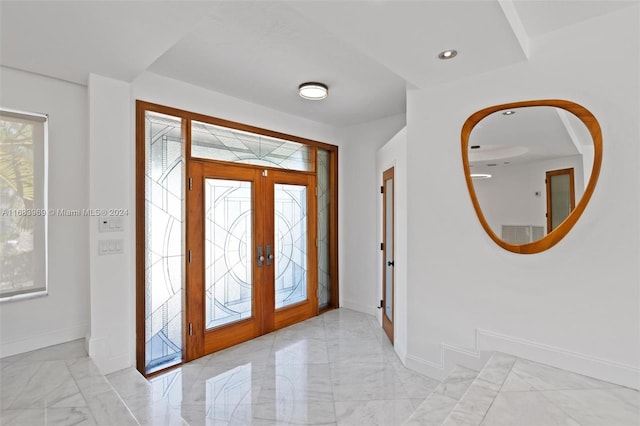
{"points": [[228, 243], [164, 240], [228, 394], [323, 203], [290, 244], [224, 144]]}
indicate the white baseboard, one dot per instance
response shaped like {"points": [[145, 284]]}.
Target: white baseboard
{"points": [[360, 307], [43, 340], [488, 341], [97, 349]]}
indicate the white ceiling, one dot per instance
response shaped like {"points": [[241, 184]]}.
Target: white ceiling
{"points": [[368, 52], [531, 134]]}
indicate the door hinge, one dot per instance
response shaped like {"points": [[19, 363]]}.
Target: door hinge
{"points": [[381, 246], [190, 184], [316, 242], [189, 256], [190, 329], [382, 189]]}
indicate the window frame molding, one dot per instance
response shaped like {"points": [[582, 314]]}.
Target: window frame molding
{"points": [[44, 118]]}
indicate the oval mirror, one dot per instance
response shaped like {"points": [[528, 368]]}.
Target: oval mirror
{"points": [[531, 168]]}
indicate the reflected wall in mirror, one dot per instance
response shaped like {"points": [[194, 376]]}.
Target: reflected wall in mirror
{"points": [[531, 168]]}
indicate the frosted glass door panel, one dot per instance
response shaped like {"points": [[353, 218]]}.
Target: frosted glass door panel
{"points": [[388, 193], [164, 240], [228, 251], [290, 203], [560, 198], [324, 197]]}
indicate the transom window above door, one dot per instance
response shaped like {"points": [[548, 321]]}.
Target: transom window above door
{"points": [[226, 144]]}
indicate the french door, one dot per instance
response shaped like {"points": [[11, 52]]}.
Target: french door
{"points": [[251, 244]]}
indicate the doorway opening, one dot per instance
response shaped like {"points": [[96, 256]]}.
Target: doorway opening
{"points": [[560, 196], [388, 261], [236, 233]]}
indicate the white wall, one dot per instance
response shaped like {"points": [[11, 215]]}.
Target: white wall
{"points": [[63, 315], [508, 197], [111, 186], [360, 198], [394, 154], [574, 306]]}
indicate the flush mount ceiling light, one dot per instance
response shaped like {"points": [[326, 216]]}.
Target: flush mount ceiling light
{"points": [[313, 91], [447, 54], [510, 112]]}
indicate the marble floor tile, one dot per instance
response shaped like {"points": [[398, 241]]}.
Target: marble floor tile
{"points": [[286, 411], [150, 402], [299, 351], [297, 382], [376, 386], [373, 413], [528, 375], [434, 410], [417, 386], [313, 330], [108, 409], [62, 352], [14, 378], [525, 409], [457, 383], [47, 416], [478, 398], [87, 376], [595, 407], [51, 385], [335, 369]]}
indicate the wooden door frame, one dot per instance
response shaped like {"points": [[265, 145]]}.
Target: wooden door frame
{"points": [[388, 323], [572, 192], [140, 216]]}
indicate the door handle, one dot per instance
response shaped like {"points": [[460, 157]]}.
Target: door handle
{"points": [[269, 255], [390, 263], [260, 256]]}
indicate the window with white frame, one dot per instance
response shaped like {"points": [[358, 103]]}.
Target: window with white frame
{"points": [[23, 204]]}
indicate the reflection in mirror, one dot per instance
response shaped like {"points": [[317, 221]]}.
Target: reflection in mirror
{"points": [[526, 165]]}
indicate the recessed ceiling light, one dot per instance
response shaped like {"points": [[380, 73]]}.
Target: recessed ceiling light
{"points": [[510, 112], [313, 91], [447, 54], [480, 176]]}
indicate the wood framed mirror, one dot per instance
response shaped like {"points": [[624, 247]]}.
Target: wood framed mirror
{"points": [[509, 150]]}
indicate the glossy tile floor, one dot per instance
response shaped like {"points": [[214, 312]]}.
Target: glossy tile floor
{"points": [[335, 369], [537, 394], [338, 368]]}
